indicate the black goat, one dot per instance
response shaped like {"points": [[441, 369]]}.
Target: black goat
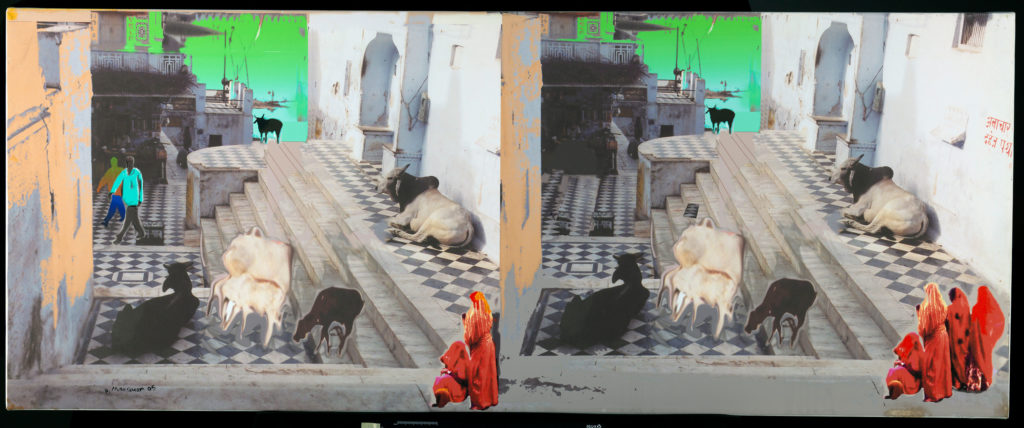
{"points": [[156, 323], [719, 116], [857, 178], [605, 315], [785, 296], [267, 126], [332, 304]]}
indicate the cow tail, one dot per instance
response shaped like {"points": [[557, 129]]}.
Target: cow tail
{"points": [[924, 228], [469, 238]]}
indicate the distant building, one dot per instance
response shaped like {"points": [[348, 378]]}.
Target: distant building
{"points": [[591, 78], [140, 94]]}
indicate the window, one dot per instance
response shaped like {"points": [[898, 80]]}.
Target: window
{"points": [[971, 30], [216, 140], [49, 59]]}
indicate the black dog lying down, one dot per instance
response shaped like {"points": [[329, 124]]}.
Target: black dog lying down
{"points": [[605, 315], [155, 324]]}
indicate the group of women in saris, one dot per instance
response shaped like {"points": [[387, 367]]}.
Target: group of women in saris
{"points": [[957, 346]]}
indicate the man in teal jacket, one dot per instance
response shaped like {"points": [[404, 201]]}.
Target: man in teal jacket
{"points": [[132, 194]]}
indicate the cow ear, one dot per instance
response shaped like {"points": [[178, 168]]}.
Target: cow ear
{"points": [[256, 231], [167, 266], [616, 257]]}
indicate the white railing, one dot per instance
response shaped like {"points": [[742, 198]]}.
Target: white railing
{"points": [[166, 63], [615, 53]]}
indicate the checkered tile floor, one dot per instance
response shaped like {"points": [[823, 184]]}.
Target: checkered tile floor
{"points": [[163, 202], [902, 266], [198, 342], [142, 269], [236, 156], [453, 274], [590, 259], [549, 196], [681, 146], [618, 195], [649, 333]]}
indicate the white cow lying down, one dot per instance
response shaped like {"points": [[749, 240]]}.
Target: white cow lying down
{"points": [[882, 203], [425, 211], [709, 272], [258, 280]]}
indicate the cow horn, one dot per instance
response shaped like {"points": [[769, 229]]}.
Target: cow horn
{"points": [[405, 167], [860, 157]]}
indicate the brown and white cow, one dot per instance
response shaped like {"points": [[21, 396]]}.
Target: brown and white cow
{"points": [[258, 281], [709, 271], [425, 211], [879, 201]]}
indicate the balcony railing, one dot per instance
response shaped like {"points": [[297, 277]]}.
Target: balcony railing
{"points": [[614, 53], [165, 63]]}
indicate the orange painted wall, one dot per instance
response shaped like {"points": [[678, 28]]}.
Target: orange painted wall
{"points": [[49, 199]]}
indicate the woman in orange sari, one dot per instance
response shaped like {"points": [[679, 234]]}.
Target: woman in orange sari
{"points": [[936, 374], [483, 373]]}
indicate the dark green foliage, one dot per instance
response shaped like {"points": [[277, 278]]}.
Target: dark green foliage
{"points": [[107, 81]]}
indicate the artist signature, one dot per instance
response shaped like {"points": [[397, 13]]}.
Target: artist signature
{"points": [[129, 389]]}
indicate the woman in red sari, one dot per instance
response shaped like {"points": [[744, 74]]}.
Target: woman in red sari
{"points": [[483, 373], [987, 322], [936, 374], [958, 324], [905, 376], [451, 386]]}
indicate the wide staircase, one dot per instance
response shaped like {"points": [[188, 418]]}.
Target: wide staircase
{"points": [[296, 200], [743, 193]]}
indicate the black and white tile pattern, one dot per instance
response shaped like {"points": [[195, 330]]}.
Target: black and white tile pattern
{"points": [[454, 274], [617, 195], [142, 269], [198, 342], [160, 202], [681, 147], [590, 259], [902, 266], [651, 332], [243, 156]]}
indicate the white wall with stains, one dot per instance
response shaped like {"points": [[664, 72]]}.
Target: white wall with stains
{"points": [[463, 129], [969, 189], [337, 45]]}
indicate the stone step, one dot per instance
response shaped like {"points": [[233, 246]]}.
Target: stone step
{"points": [[676, 211], [754, 284], [405, 337], [245, 216], [382, 269], [262, 213], [226, 225], [769, 222], [370, 348], [662, 240], [210, 250], [891, 316], [690, 194], [303, 241], [769, 253]]}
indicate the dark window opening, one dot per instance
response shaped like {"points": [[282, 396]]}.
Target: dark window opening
{"points": [[667, 131], [215, 140]]}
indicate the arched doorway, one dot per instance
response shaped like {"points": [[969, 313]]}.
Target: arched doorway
{"points": [[830, 65], [378, 70]]}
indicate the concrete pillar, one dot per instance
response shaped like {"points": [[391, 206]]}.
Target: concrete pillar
{"points": [[698, 97], [409, 136]]}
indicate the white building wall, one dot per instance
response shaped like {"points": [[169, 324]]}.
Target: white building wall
{"points": [[787, 103], [969, 189], [463, 129], [337, 39]]}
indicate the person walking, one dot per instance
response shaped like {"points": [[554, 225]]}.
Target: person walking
{"points": [[132, 193], [116, 203]]}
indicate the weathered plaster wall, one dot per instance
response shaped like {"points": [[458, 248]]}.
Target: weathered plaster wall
{"points": [[231, 128], [462, 134], [787, 101], [970, 190], [337, 44], [49, 205]]}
